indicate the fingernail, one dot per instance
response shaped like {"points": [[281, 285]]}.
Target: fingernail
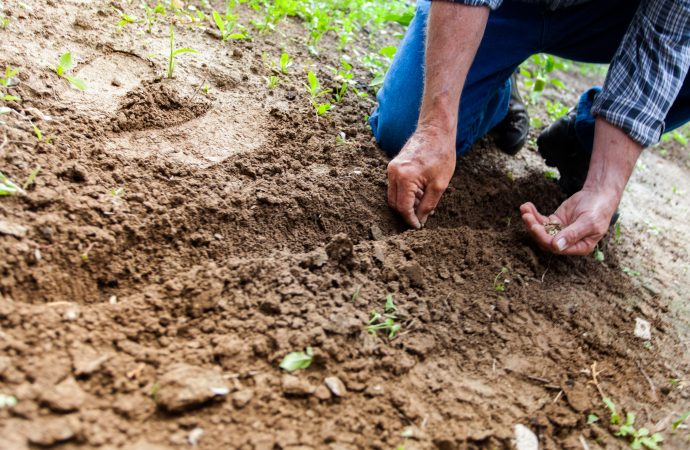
{"points": [[561, 244]]}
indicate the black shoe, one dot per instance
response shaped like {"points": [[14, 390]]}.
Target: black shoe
{"points": [[559, 146], [511, 133]]}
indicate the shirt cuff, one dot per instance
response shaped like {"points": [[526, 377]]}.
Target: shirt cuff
{"points": [[643, 128], [492, 4]]}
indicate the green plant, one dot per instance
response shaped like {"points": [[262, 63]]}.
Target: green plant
{"points": [[174, 52], [617, 232], [7, 81], [226, 25], [8, 187], [592, 418], [500, 286], [679, 421], [355, 294], [4, 20], [551, 174], [537, 72], [297, 360], [126, 19], [638, 437], [555, 110], [31, 179], [151, 13], [271, 81], [285, 63], [386, 321], [315, 91], [597, 254], [65, 64]]}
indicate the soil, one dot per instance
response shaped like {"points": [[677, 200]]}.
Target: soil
{"points": [[176, 245]]}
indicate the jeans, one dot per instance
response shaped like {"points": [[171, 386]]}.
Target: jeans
{"points": [[590, 32]]}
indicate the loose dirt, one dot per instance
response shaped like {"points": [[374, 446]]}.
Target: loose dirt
{"points": [[156, 316]]}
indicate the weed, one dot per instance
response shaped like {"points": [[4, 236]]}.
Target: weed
{"points": [[500, 286], [679, 421], [386, 321], [31, 179], [285, 63], [226, 25], [174, 52], [65, 64], [8, 187], [297, 360]]}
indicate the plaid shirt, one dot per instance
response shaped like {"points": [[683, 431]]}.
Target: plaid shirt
{"points": [[646, 72]]}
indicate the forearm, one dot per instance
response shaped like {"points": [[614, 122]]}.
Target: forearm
{"points": [[613, 159], [454, 33]]}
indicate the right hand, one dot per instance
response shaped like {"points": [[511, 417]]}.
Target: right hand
{"points": [[419, 175]]}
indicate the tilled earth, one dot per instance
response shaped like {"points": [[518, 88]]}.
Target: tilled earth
{"points": [[177, 244]]}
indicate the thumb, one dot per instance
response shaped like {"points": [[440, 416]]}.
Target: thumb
{"points": [[432, 195], [571, 236]]}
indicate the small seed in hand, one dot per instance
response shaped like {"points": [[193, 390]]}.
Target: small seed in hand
{"points": [[552, 228]]}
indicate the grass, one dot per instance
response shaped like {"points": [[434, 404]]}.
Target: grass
{"points": [[174, 52], [8, 187]]}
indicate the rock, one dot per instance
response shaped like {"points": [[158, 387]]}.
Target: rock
{"points": [[379, 254], [87, 361], [185, 386], [293, 385], [47, 432], [376, 233], [525, 439], [643, 329], [414, 273], [322, 393], [13, 229], [242, 397], [340, 248], [66, 396], [194, 436], [374, 390], [336, 386]]}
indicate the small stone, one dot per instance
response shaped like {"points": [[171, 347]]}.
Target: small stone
{"points": [[340, 248], [293, 385], [47, 432], [185, 386], [64, 397], [336, 386], [322, 393], [242, 397], [525, 439], [374, 390], [376, 233], [13, 229], [457, 279], [72, 313], [643, 329], [194, 436], [87, 361], [112, 300]]}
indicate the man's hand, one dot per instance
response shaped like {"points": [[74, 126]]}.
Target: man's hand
{"points": [[585, 218], [586, 215], [419, 175]]}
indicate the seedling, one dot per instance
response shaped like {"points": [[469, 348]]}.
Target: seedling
{"points": [[315, 91], [597, 254], [4, 21], [271, 81], [679, 421], [617, 232], [8, 187], [297, 360], [355, 294], [226, 25], [7, 81], [125, 20], [285, 63], [592, 418], [117, 192], [31, 179], [151, 14], [551, 174], [64, 65], [174, 52], [500, 286], [385, 321], [638, 437]]}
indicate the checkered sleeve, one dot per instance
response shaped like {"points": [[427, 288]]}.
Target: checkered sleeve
{"points": [[493, 4], [647, 71]]}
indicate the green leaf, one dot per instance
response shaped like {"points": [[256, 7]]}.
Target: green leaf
{"points": [[679, 421], [598, 255], [314, 85], [615, 417], [10, 98], [558, 83], [31, 178], [219, 22], [297, 360], [184, 50], [237, 36], [76, 82], [377, 81], [592, 418], [388, 51], [7, 186], [390, 306], [65, 62], [539, 84]]}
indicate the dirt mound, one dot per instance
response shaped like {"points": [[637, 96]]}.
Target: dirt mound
{"points": [[157, 104]]}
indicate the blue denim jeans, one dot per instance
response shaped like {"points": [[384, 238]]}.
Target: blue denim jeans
{"points": [[589, 32]]}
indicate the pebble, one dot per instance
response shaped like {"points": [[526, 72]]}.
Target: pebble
{"points": [[336, 386], [374, 390], [87, 361], [643, 329], [64, 397], [242, 397], [376, 233], [525, 439], [322, 393], [13, 229], [185, 386], [293, 385], [194, 436]]}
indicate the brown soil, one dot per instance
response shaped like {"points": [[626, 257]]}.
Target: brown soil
{"points": [[156, 315]]}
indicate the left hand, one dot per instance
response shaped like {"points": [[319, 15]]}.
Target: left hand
{"points": [[585, 217]]}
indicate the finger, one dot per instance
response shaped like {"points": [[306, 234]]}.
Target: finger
{"points": [[531, 209], [405, 203], [392, 187], [582, 248], [537, 231], [432, 195], [571, 237]]}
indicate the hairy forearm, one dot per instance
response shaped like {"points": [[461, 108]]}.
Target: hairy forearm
{"points": [[613, 159], [453, 35]]}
